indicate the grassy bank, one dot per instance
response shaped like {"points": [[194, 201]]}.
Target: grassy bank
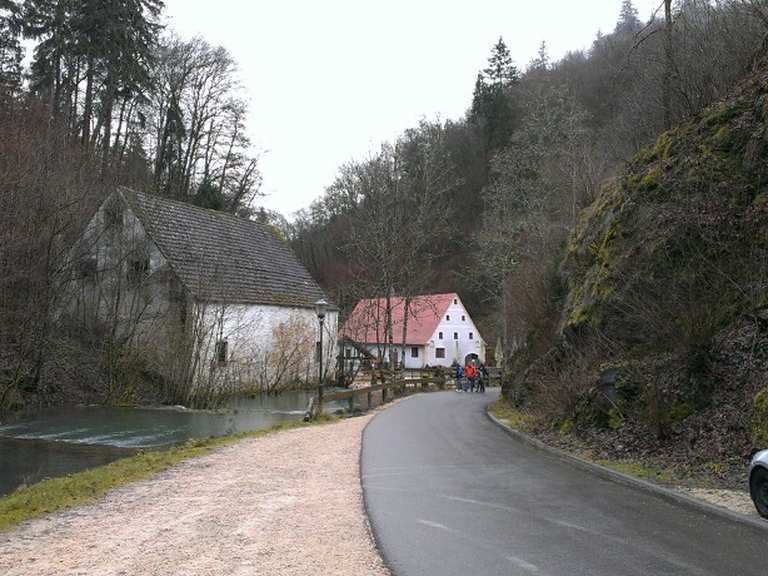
{"points": [[56, 494], [525, 422]]}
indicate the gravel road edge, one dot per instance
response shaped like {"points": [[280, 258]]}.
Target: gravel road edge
{"points": [[615, 476]]}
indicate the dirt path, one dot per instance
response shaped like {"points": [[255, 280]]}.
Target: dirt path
{"points": [[286, 503]]}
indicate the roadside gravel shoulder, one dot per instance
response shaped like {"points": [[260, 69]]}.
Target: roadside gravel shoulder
{"points": [[288, 503]]}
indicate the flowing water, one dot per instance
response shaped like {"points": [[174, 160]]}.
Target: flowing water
{"points": [[61, 441]]}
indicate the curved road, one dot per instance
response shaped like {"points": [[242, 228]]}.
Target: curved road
{"points": [[450, 493]]}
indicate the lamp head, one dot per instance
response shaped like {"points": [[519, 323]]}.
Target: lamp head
{"points": [[321, 307]]}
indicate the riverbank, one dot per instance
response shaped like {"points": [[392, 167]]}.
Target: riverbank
{"points": [[704, 486], [283, 503]]}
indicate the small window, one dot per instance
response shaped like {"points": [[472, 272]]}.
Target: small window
{"points": [[471, 336], [87, 268], [463, 318], [455, 301], [414, 352], [448, 317], [439, 335], [455, 335], [439, 352], [221, 352], [113, 215], [348, 352], [138, 270]]}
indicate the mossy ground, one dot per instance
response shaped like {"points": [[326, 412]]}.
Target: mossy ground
{"points": [[525, 422], [511, 416], [56, 494]]}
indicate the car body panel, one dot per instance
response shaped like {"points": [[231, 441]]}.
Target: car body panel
{"points": [[759, 459]]}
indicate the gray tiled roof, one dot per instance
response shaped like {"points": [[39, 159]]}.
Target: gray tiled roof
{"points": [[222, 258]]}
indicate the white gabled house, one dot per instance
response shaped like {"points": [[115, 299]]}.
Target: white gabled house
{"points": [[439, 331], [205, 296]]}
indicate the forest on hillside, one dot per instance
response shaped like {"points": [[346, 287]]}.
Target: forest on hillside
{"points": [[483, 204]]}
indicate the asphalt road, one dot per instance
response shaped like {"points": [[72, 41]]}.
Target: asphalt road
{"points": [[450, 493]]}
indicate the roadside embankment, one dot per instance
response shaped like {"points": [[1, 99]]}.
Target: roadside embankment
{"points": [[701, 487], [284, 503]]}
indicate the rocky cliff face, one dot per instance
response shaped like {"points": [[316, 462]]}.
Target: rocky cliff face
{"points": [[665, 322]]}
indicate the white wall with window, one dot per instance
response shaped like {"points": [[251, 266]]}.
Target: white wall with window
{"points": [[455, 338]]}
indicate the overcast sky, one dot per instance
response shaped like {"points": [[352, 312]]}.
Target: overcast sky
{"points": [[330, 80]]}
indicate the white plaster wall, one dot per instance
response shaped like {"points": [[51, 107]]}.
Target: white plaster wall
{"points": [[410, 362], [455, 349], [250, 334]]}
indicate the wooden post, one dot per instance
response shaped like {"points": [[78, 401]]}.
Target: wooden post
{"points": [[370, 399], [351, 403]]}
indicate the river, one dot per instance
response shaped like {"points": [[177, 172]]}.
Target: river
{"points": [[60, 441]]}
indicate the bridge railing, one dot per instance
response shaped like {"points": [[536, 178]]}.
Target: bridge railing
{"points": [[391, 385]]}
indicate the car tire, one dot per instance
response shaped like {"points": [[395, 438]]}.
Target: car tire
{"points": [[758, 489]]}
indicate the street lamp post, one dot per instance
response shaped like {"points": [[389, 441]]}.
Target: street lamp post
{"points": [[321, 306]]}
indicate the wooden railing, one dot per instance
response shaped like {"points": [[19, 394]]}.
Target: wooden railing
{"points": [[390, 385]]}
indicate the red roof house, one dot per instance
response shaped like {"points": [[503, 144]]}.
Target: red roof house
{"points": [[439, 329]]}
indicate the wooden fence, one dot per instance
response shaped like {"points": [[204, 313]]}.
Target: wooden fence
{"points": [[391, 386]]}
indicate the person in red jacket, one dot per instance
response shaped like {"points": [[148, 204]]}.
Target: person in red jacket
{"points": [[470, 373]]}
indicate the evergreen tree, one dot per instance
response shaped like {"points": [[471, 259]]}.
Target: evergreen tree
{"points": [[492, 111], [628, 22], [10, 49], [541, 62], [501, 71]]}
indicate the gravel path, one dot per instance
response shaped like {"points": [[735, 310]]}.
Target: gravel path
{"points": [[286, 503]]}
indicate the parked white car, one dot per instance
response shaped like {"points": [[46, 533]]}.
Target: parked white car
{"points": [[758, 482]]}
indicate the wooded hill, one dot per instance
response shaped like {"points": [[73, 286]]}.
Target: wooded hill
{"points": [[605, 217]]}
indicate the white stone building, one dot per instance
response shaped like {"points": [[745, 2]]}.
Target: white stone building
{"points": [[203, 295], [439, 331]]}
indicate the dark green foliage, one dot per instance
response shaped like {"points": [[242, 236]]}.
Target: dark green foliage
{"points": [[209, 196], [10, 49]]}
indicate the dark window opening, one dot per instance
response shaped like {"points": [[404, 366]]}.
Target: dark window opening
{"points": [[138, 270], [113, 215], [440, 335], [414, 352], [439, 352], [463, 318], [471, 335], [221, 352], [448, 317], [455, 335], [87, 267], [455, 301]]}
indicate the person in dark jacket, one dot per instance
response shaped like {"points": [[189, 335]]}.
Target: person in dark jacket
{"points": [[458, 374], [482, 377]]}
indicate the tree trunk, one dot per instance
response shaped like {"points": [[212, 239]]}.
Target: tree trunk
{"points": [[668, 65], [406, 306], [88, 105]]}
